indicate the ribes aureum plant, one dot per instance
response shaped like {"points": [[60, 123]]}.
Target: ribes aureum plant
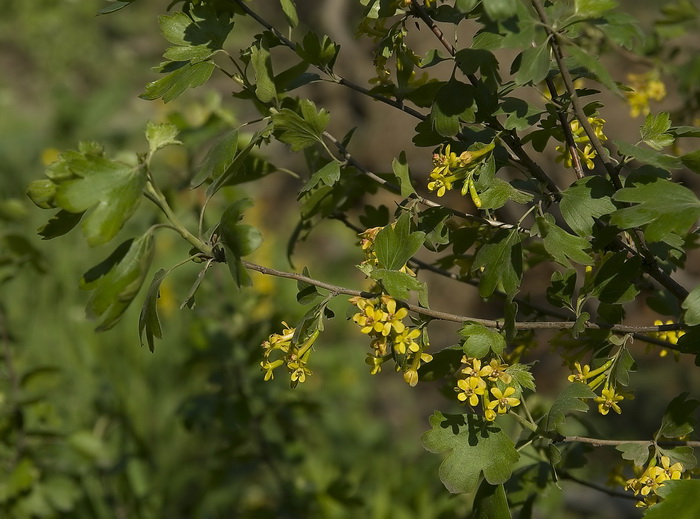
{"points": [[609, 217]]}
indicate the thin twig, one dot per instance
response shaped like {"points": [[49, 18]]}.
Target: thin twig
{"points": [[599, 442], [568, 476], [445, 316], [568, 134]]}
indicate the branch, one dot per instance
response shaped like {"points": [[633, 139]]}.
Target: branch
{"points": [[445, 316], [599, 442], [563, 474], [568, 135]]}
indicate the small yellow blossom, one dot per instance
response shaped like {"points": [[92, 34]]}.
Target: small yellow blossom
{"points": [[608, 400], [503, 400], [406, 341], [392, 317], [582, 374], [469, 389], [644, 87], [498, 372]]}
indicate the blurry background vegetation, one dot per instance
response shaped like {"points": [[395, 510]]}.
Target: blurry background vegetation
{"points": [[95, 426]]}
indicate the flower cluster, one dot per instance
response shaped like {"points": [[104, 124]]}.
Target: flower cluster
{"points": [[451, 169], [670, 336], [584, 149], [643, 88], [382, 319], [609, 396], [488, 385], [653, 477], [295, 356]]}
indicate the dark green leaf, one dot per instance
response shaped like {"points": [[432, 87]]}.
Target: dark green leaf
{"points": [[116, 281], [561, 245], [571, 399], [453, 102], [59, 224], [114, 6], [148, 319], [679, 419], [654, 131], [662, 206], [691, 305], [479, 341], [613, 280], [500, 9], [692, 161], [306, 292], [445, 362], [236, 168], [638, 453], [584, 201], [176, 82], [321, 53], [396, 244], [501, 259], [402, 173], [474, 447], [490, 502], [301, 131], [623, 367], [560, 293], [683, 454], [680, 500], [218, 159], [521, 114]]}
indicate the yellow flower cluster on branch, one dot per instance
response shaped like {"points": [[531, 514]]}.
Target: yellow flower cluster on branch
{"points": [[654, 476], [382, 319], [479, 384], [670, 336], [644, 87], [609, 396], [450, 169], [583, 147], [294, 356]]}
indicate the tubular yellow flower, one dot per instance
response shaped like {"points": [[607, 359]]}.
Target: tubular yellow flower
{"points": [[582, 374]]}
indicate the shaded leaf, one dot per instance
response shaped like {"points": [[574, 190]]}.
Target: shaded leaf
{"points": [[638, 453], [653, 157], [301, 131], [218, 159], [454, 102], [531, 65], [680, 500], [584, 201], [490, 502], [593, 64], [570, 399], [396, 244], [474, 447], [679, 417], [260, 58], [479, 341], [691, 305], [176, 82], [561, 245], [501, 259], [402, 173], [148, 318], [59, 224]]}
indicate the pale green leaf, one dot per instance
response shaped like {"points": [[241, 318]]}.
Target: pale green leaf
{"points": [[397, 284], [290, 12], [479, 341], [584, 201], [265, 88], [691, 305], [329, 174], [301, 131], [176, 82], [148, 318], [474, 448], [648, 156], [638, 453], [654, 131], [532, 65], [402, 173], [161, 135]]}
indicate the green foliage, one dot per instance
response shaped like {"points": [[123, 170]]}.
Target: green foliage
{"points": [[575, 246]]}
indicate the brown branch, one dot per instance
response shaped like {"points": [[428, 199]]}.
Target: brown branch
{"points": [[568, 135], [599, 442], [563, 474]]}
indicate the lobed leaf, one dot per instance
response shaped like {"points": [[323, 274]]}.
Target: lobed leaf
{"points": [[300, 131], [561, 245], [502, 263], [176, 82], [396, 244], [479, 341], [570, 399], [584, 201]]}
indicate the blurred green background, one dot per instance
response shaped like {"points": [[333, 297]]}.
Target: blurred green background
{"points": [[95, 426]]}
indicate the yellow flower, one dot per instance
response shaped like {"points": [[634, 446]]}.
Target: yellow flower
{"points": [[405, 341], [375, 363], [498, 372], [608, 400], [670, 471], [582, 374], [503, 400], [392, 318], [370, 318], [644, 87], [469, 389]]}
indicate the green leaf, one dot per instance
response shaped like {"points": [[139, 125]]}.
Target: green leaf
{"points": [[474, 448], [290, 12], [501, 259], [301, 131], [593, 8], [42, 192], [490, 502], [593, 64], [613, 280], [329, 174], [682, 454], [236, 168], [522, 377], [306, 292], [176, 82], [479, 340], [265, 88], [692, 161], [638, 453], [500, 9], [445, 362], [161, 135], [114, 6], [453, 102], [521, 114], [680, 500], [691, 305], [148, 319], [664, 207], [584, 201], [396, 244], [59, 224], [654, 131], [398, 284], [321, 53], [570, 399], [218, 159], [655, 158], [117, 280], [110, 189], [679, 417], [532, 65], [560, 293], [561, 245], [238, 239], [499, 192], [196, 36], [402, 173]]}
